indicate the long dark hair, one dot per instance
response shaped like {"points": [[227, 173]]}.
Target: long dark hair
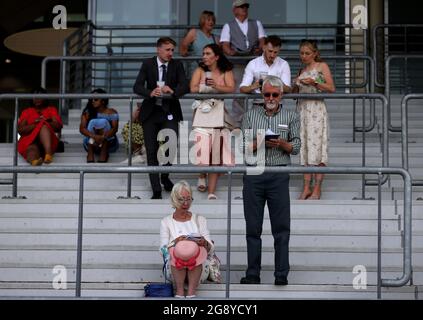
{"points": [[92, 112], [223, 64]]}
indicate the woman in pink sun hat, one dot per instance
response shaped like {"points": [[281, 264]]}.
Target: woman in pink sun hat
{"points": [[188, 239]]}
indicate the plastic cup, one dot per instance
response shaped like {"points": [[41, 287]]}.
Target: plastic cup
{"points": [[208, 76]]}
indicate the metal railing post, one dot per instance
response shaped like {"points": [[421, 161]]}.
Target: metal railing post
{"points": [[131, 108], [379, 237], [15, 149], [63, 109], [228, 237], [80, 232]]}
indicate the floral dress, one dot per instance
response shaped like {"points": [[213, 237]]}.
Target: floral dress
{"points": [[314, 123]]}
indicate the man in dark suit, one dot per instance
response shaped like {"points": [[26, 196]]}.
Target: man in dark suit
{"points": [[160, 74]]}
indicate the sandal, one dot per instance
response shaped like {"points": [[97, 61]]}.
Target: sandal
{"points": [[201, 184], [48, 158], [304, 196], [211, 196], [37, 162]]}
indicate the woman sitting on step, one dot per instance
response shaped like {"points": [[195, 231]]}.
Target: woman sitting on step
{"points": [[99, 124], [187, 239], [38, 126]]}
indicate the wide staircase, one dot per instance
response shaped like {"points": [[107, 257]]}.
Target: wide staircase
{"points": [[329, 237]]}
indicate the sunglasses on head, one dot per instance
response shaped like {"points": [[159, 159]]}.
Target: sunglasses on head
{"points": [[273, 94]]}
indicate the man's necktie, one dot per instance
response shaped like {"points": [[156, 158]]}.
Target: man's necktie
{"points": [[165, 106], [163, 72]]}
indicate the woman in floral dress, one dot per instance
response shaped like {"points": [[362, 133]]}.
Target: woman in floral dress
{"points": [[314, 77]]}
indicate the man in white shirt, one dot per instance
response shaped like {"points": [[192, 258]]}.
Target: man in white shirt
{"points": [[241, 36], [267, 64]]}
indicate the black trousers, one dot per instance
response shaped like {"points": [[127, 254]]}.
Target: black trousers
{"points": [[151, 127], [272, 188]]}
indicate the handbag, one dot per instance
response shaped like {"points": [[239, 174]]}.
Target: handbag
{"points": [[213, 263], [214, 268], [159, 289], [210, 113]]}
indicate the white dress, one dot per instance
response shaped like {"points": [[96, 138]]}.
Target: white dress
{"points": [[171, 229], [314, 130]]}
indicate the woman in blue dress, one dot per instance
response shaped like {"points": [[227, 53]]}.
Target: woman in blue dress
{"points": [[197, 38], [99, 124]]}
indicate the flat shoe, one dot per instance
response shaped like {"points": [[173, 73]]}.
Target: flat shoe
{"points": [[212, 196]]}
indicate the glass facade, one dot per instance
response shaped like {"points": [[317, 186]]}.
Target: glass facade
{"points": [[117, 41], [167, 12]]}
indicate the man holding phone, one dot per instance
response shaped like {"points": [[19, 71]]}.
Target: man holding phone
{"points": [[283, 130]]}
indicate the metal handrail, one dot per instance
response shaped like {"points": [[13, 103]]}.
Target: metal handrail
{"points": [[139, 57], [377, 54], [407, 254], [388, 84], [374, 96], [218, 26], [369, 82], [404, 132]]}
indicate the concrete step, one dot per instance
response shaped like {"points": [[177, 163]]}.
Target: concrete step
{"points": [[210, 291]]}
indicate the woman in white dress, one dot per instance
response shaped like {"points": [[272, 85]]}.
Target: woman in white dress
{"points": [[314, 77], [185, 225]]}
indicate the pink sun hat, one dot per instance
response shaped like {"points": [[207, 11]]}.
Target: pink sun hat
{"points": [[187, 253]]}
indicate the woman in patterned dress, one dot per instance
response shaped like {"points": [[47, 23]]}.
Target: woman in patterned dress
{"points": [[314, 77]]}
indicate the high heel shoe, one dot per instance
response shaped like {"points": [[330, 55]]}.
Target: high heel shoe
{"points": [[201, 184], [315, 196], [304, 195]]}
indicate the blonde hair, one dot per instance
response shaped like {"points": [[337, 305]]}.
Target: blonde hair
{"points": [[176, 192], [312, 44], [204, 16]]}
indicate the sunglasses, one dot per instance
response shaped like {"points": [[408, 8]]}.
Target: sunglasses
{"points": [[244, 6], [273, 94]]}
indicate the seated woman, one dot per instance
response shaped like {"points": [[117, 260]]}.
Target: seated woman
{"points": [[37, 127], [99, 124], [175, 230], [214, 75]]}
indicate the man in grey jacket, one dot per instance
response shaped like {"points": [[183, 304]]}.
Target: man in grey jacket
{"points": [[241, 36]]}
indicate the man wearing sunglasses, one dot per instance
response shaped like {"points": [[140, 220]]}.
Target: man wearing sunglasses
{"points": [[283, 128], [241, 37]]}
